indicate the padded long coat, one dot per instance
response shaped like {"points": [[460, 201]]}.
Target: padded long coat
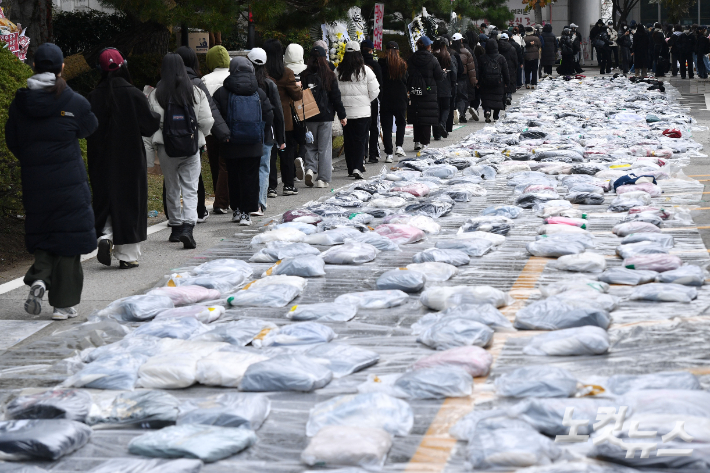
{"points": [[424, 109]]}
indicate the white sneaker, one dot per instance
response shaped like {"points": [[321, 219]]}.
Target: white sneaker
{"points": [[424, 147], [358, 174], [321, 184], [245, 220], [33, 304], [456, 117], [300, 170], [309, 178], [417, 146], [389, 158], [237, 216], [64, 314], [400, 151], [474, 113], [258, 213]]}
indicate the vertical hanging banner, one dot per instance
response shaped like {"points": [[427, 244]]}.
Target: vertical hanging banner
{"points": [[379, 21]]}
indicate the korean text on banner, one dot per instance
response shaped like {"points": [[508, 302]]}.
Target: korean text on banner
{"points": [[379, 20]]}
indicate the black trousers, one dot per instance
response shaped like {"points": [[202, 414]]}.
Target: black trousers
{"points": [[687, 57], [450, 118], [531, 72], [355, 142], [476, 98], [444, 104], [62, 275], [373, 148], [615, 51], [286, 156], [299, 137], [244, 183], [422, 134], [547, 70], [386, 119], [604, 60]]}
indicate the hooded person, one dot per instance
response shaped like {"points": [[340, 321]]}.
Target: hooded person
{"points": [[250, 117], [445, 87], [506, 49], [324, 45], [293, 59], [624, 42], [568, 53], [423, 111], [494, 79], [217, 61], [373, 149], [639, 44], [532, 54], [44, 125], [117, 162], [466, 78], [549, 49], [661, 53]]}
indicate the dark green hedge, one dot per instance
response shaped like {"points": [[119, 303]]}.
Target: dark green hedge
{"points": [[77, 32]]}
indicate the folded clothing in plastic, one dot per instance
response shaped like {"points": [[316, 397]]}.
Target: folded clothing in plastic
{"points": [[629, 277], [510, 211], [148, 408], [687, 275], [536, 381], [441, 297], [71, 404], [154, 465], [624, 229], [554, 229], [207, 442], [417, 189], [325, 311], [578, 341], [550, 314], [435, 383], [350, 446], [471, 247], [182, 328], [240, 332], [664, 292], [487, 223], [492, 237], [586, 198], [662, 239], [172, 370], [400, 233], [653, 262], [119, 371], [243, 410], [623, 383], [507, 449], [187, 295], [343, 359], [352, 252], [698, 460], [451, 332], [374, 299], [583, 262], [201, 313], [432, 208], [225, 368], [549, 247], [303, 333], [640, 248], [332, 237], [453, 257], [286, 373], [435, 272], [138, 308], [486, 314], [474, 360], [271, 291], [375, 239], [306, 228], [300, 215], [41, 439], [304, 266], [279, 234], [222, 282], [401, 279]]}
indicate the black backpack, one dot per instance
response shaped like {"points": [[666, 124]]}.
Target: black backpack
{"points": [[492, 75], [180, 131]]}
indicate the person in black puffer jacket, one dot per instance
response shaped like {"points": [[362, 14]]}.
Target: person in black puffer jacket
{"points": [[492, 86], [702, 47], [373, 148], [423, 111], [511, 57], [567, 49], [45, 122], [640, 50], [661, 53], [445, 87], [549, 49], [624, 42], [393, 100]]}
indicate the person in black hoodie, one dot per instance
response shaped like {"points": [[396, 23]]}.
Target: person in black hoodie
{"points": [[45, 122], [639, 44], [492, 85], [242, 159], [702, 47], [511, 57], [661, 53], [549, 49], [423, 111], [373, 148], [117, 162], [445, 87], [567, 49], [624, 42], [393, 100]]}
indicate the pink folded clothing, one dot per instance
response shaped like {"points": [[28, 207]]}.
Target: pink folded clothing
{"points": [[416, 189], [476, 361], [301, 215], [652, 189], [575, 222], [400, 233]]}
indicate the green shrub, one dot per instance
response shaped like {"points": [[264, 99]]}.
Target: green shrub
{"points": [[13, 75], [145, 70], [78, 32]]}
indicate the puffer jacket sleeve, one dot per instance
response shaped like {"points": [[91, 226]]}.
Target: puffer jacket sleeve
{"points": [[279, 124], [336, 100], [87, 122], [220, 129], [203, 112], [436, 70], [267, 109], [472, 71], [504, 69], [373, 86]]}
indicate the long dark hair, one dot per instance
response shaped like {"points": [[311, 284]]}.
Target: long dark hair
{"points": [[442, 55], [189, 57], [109, 77], [352, 65], [174, 85], [396, 66], [274, 58], [59, 85], [261, 75], [319, 65]]}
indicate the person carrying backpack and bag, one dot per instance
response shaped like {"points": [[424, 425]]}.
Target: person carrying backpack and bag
{"points": [[249, 114], [493, 79], [185, 120]]}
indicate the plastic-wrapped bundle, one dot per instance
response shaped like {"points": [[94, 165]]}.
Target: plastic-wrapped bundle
{"points": [[138, 308], [422, 222], [451, 332], [304, 333], [279, 234], [687, 275], [664, 292], [375, 239], [373, 187], [585, 238], [577, 283], [41, 439], [239, 333], [625, 229], [474, 360], [483, 313], [647, 217], [587, 168], [271, 291], [528, 200], [207, 442], [586, 198], [698, 460], [648, 187], [435, 383], [222, 282], [578, 341], [571, 155], [554, 229], [587, 297], [555, 247], [373, 299], [152, 409], [493, 224], [154, 465], [432, 208], [662, 239], [623, 383], [277, 250], [453, 257], [377, 410], [353, 252], [536, 381], [555, 314], [584, 262], [663, 214], [417, 189], [442, 171], [342, 359], [114, 372], [70, 404], [172, 370], [328, 210], [225, 368], [346, 201], [435, 272], [348, 446], [440, 298], [187, 295], [181, 328], [653, 262], [304, 266], [641, 248], [471, 247], [326, 312], [492, 419], [286, 373], [582, 188], [507, 449], [301, 215], [575, 222], [400, 234], [629, 277], [386, 203], [222, 266], [510, 211], [306, 228], [146, 346], [332, 237], [403, 280], [484, 171]]}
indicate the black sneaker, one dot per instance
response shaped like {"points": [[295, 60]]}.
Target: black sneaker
{"points": [[104, 253], [127, 264], [186, 238], [488, 117], [290, 191], [373, 160], [175, 234], [271, 193], [357, 174], [463, 120]]}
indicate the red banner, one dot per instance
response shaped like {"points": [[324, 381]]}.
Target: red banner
{"points": [[11, 40], [379, 21]]}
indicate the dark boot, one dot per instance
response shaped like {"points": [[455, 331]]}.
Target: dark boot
{"points": [[175, 233], [186, 237]]}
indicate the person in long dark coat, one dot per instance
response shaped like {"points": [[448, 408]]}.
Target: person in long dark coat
{"points": [[45, 122], [446, 87], [393, 100], [423, 110], [568, 52], [702, 47], [640, 50], [117, 162], [549, 49], [493, 93], [511, 57]]}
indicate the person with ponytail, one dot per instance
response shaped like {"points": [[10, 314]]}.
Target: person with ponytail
{"points": [[393, 100], [117, 161], [44, 125]]}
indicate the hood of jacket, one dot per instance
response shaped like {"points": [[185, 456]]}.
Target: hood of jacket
{"points": [[191, 73], [241, 80], [492, 47], [293, 58], [547, 28], [503, 46], [217, 57], [421, 58], [40, 103]]}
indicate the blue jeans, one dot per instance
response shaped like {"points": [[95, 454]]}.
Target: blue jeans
{"points": [[264, 168], [706, 61]]}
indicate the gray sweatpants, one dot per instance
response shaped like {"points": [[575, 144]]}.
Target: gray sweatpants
{"points": [[319, 154], [181, 176]]}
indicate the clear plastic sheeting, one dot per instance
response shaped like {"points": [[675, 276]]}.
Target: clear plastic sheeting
{"points": [[579, 341], [243, 410], [71, 404], [286, 373], [137, 465], [41, 439], [629, 277], [536, 381], [504, 449], [623, 383], [356, 446], [374, 299]]}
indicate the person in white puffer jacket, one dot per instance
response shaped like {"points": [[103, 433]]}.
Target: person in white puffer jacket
{"points": [[358, 87]]}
